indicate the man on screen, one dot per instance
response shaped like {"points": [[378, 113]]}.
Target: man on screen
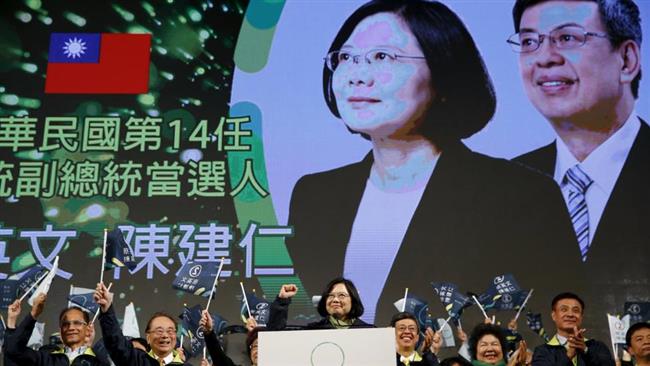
{"points": [[580, 65]]}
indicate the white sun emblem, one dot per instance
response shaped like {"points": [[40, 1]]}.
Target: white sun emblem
{"points": [[74, 47]]}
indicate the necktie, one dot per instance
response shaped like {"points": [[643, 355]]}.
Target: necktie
{"points": [[161, 361], [577, 182]]}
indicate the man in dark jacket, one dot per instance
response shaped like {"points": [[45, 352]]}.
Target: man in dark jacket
{"points": [[74, 324], [161, 336], [569, 347]]}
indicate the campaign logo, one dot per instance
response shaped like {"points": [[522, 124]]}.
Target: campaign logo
{"points": [[195, 271], [98, 63]]}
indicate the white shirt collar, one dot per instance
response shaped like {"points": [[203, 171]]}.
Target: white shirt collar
{"points": [[167, 360], [72, 354], [410, 358], [604, 164]]}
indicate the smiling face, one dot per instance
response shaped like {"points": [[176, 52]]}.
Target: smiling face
{"points": [[74, 328], [161, 336], [388, 99], [578, 84], [567, 315], [488, 349], [406, 334], [338, 302]]}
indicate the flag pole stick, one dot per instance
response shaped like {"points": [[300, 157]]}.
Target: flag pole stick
{"points": [[34, 285], [406, 293], [480, 307], [214, 284], [521, 308], [612, 338], [445, 324], [2, 319], [101, 274], [98, 310], [241, 284]]}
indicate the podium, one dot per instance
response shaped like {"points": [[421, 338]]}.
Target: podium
{"points": [[330, 347]]}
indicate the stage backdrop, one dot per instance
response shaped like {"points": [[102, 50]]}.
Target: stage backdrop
{"points": [[201, 164]]}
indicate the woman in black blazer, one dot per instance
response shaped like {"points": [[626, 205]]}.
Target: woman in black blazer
{"points": [[421, 206]]}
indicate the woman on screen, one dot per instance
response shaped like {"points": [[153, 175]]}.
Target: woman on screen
{"points": [[421, 206]]}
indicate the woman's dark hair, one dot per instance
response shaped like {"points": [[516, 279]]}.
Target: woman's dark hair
{"points": [[464, 96], [485, 329], [451, 361], [357, 307]]}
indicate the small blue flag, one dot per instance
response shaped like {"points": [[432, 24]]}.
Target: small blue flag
{"points": [[84, 301], [504, 284], [534, 321], [260, 309], [118, 252], [16, 285], [190, 324], [512, 301], [196, 278], [452, 299], [639, 311]]}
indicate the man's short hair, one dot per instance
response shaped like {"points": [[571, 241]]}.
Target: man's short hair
{"points": [[160, 314], [567, 295], [620, 17], [634, 328], [68, 309], [401, 316]]}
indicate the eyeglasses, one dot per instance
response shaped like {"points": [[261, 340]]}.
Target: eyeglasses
{"points": [[375, 57], [338, 295], [404, 328], [160, 331], [564, 38], [75, 323]]}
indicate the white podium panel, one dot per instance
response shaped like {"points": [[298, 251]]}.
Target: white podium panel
{"points": [[331, 347]]}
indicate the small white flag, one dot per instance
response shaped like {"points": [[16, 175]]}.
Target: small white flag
{"points": [[447, 333], [44, 286], [130, 326], [618, 328], [37, 337]]}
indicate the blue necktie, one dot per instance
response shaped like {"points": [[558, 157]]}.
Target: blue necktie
{"points": [[577, 182]]}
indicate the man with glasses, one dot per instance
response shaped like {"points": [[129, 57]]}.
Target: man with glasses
{"points": [[580, 65], [407, 336], [161, 336], [75, 331]]}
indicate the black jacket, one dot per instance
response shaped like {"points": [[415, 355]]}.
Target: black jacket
{"points": [[618, 261], [119, 348], [427, 359], [218, 356], [478, 217], [19, 353], [280, 312], [554, 354]]}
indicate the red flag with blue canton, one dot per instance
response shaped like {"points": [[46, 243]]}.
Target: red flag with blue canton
{"points": [[98, 63]]}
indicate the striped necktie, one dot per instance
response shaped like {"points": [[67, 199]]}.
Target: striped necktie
{"points": [[577, 182]]}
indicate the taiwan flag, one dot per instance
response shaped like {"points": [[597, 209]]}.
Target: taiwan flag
{"points": [[98, 63]]}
